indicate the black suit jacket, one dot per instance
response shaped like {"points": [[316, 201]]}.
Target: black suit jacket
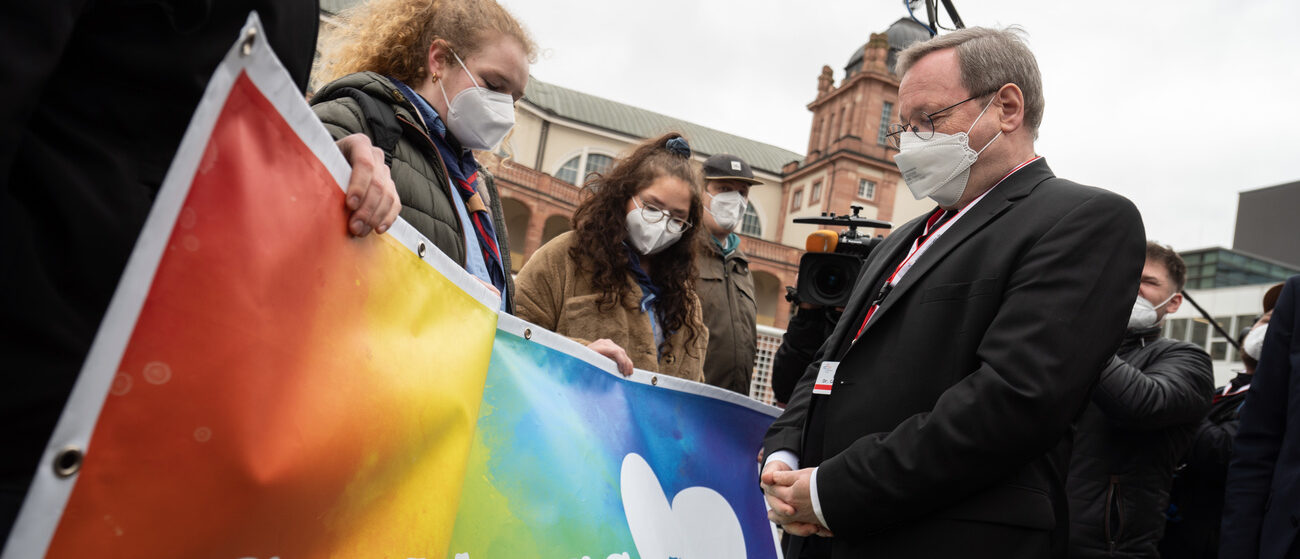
{"points": [[950, 416], [1261, 509]]}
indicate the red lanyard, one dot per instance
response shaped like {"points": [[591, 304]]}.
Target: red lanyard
{"points": [[932, 225]]}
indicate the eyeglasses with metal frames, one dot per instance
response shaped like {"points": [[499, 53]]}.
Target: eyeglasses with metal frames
{"points": [[654, 214], [926, 130]]}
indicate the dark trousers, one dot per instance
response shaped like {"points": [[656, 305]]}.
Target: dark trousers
{"points": [[934, 538]]}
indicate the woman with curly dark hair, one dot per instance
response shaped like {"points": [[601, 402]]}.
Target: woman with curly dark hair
{"points": [[622, 281]]}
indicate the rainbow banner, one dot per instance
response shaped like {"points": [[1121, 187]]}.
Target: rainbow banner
{"points": [[570, 460], [266, 386]]}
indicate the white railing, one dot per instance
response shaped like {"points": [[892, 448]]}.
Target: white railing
{"points": [[760, 387]]}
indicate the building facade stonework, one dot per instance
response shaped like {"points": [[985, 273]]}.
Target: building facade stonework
{"points": [[561, 135]]}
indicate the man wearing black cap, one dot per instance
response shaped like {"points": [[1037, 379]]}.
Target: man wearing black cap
{"points": [[725, 286]]}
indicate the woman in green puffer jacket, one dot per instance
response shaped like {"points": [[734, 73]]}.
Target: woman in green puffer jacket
{"points": [[429, 82]]}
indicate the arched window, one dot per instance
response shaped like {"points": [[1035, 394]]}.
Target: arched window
{"points": [[588, 162], [569, 172], [749, 224], [598, 163]]}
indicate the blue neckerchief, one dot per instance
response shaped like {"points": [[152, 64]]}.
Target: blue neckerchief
{"points": [[649, 293], [463, 170], [733, 242]]}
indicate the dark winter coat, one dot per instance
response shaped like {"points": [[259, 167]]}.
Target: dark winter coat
{"points": [[1261, 505], [1196, 497], [1144, 410]]}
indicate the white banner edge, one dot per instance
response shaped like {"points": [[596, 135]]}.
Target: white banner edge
{"points": [[536, 334]]}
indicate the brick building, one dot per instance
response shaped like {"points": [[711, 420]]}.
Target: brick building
{"points": [[561, 135]]}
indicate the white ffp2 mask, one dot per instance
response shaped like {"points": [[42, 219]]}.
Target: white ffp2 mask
{"points": [[1253, 345], [939, 167], [649, 237], [727, 208], [478, 117], [1144, 314]]}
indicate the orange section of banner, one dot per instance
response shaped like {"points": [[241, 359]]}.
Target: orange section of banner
{"points": [[288, 390]]}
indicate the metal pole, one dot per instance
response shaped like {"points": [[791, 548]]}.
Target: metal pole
{"points": [[1231, 339], [952, 13]]}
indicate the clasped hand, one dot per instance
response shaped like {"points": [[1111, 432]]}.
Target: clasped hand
{"points": [[790, 501]]}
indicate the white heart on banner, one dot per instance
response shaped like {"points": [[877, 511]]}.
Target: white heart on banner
{"points": [[699, 523]]}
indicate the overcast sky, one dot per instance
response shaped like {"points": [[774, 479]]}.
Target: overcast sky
{"points": [[1178, 105]]}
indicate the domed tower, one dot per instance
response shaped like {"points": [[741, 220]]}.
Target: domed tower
{"points": [[849, 159]]}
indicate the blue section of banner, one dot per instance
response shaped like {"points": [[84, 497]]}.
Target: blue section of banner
{"points": [[561, 444]]}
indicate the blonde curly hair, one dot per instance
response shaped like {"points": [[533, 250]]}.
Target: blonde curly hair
{"points": [[392, 37]]}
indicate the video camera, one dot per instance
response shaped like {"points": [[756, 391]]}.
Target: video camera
{"points": [[831, 266]]}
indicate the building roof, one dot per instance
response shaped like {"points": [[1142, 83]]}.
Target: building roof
{"points": [[1212, 267], [901, 35], [1284, 186], [640, 123]]}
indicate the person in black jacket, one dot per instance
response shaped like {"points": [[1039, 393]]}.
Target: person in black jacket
{"points": [[95, 99], [1196, 496], [1144, 410], [808, 329], [1261, 506]]}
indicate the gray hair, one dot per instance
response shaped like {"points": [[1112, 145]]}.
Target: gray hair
{"points": [[989, 59]]}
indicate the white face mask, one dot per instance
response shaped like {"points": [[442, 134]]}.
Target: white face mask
{"points": [[727, 209], [939, 167], [646, 237], [479, 117], [1254, 342], [1144, 314]]}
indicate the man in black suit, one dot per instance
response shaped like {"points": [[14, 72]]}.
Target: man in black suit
{"points": [[1261, 508], [935, 420]]}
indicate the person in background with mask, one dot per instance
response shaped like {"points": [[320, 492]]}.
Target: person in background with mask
{"points": [[935, 420], [449, 71], [1196, 497], [1261, 504], [1144, 411], [621, 282], [725, 286]]}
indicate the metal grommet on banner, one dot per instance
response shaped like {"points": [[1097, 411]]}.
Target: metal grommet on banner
{"points": [[420, 250], [654, 381], [246, 48], [528, 333], [68, 461]]}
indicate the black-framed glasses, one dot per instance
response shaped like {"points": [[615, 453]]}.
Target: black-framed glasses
{"points": [[655, 214], [926, 130]]}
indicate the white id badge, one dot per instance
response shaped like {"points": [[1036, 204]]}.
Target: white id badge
{"points": [[825, 377]]}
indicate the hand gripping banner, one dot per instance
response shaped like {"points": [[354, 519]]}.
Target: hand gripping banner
{"points": [[266, 386]]}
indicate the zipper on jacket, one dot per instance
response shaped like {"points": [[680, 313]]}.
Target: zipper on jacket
{"points": [[1114, 504], [727, 289], [437, 159]]}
